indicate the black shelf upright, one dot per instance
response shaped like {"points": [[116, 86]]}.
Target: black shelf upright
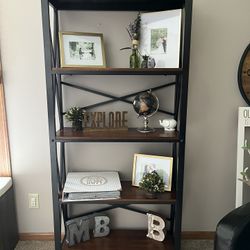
{"points": [[54, 85]]}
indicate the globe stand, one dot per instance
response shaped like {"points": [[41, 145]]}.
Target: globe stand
{"points": [[146, 128]]}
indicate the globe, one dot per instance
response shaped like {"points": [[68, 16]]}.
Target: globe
{"points": [[145, 105]]}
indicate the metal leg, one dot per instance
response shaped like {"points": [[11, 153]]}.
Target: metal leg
{"points": [[183, 119], [51, 114]]}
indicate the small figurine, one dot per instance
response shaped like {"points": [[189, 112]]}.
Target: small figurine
{"points": [[148, 62], [144, 63], [168, 124], [151, 62]]}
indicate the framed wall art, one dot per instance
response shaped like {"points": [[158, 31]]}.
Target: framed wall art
{"points": [[79, 49], [160, 37], [144, 164]]}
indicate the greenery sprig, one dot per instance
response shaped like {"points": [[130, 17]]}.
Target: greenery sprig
{"points": [[134, 28], [75, 114], [246, 172], [152, 183]]}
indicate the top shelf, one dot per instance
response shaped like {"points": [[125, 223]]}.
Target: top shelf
{"points": [[115, 71], [118, 5]]}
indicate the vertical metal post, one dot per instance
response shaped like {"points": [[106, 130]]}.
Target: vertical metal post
{"points": [[60, 109], [51, 116], [172, 208], [183, 119], [59, 94], [177, 98], [174, 151]]}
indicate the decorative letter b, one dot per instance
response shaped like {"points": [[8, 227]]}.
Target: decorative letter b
{"points": [[155, 227], [101, 226]]}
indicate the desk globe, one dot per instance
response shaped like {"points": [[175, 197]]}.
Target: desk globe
{"points": [[145, 105]]}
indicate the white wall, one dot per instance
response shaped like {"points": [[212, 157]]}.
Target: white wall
{"points": [[24, 79], [220, 34]]}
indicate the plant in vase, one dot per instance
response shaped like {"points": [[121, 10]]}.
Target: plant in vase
{"points": [[152, 183], [134, 33], [75, 115]]}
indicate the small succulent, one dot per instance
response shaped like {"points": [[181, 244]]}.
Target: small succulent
{"points": [[75, 114], [152, 183]]}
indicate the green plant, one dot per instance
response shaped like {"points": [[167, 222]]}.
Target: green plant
{"points": [[152, 183], [246, 172], [75, 114], [246, 176]]}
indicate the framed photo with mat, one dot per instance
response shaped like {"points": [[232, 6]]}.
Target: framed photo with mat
{"points": [[161, 36], [79, 49]]}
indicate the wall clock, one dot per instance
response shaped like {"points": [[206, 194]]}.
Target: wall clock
{"points": [[244, 75]]}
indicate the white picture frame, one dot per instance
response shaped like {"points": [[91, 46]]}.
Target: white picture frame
{"points": [[79, 49], [144, 164], [161, 37]]}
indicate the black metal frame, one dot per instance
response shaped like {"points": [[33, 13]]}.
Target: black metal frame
{"points": [[54, 85], [117, 5], [115, 98]]}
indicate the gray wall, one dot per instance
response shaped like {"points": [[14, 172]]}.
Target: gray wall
{"points": [[220, 33]]}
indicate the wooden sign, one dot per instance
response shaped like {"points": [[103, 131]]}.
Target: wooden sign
{"points": [[77, 230], [105, 120]]}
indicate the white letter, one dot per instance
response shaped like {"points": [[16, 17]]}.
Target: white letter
{"points": [[155, 227]]}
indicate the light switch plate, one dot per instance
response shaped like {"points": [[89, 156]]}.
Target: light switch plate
{"points": [[33, 200]]}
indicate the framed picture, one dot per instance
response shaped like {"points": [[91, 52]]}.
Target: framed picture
{"points": [[144, 164], [160, 37], [82, 49]]}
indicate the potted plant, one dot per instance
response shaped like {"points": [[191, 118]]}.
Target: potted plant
{"points": [[152, 183], [75, 115]]}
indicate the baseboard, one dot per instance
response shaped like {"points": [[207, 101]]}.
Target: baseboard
{"points": [[198, 235], [187, 235], [36, 236]]}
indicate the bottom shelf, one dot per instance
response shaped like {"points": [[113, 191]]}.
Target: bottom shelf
{"points": [[124, 240]]}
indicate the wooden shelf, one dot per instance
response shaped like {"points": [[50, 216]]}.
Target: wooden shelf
{"points": [[115, 71], [136, 5], [134, 195], [124, 240], [130, 135]]}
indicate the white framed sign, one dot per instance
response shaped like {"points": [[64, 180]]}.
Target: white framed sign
{"points": [[243, 122]]}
